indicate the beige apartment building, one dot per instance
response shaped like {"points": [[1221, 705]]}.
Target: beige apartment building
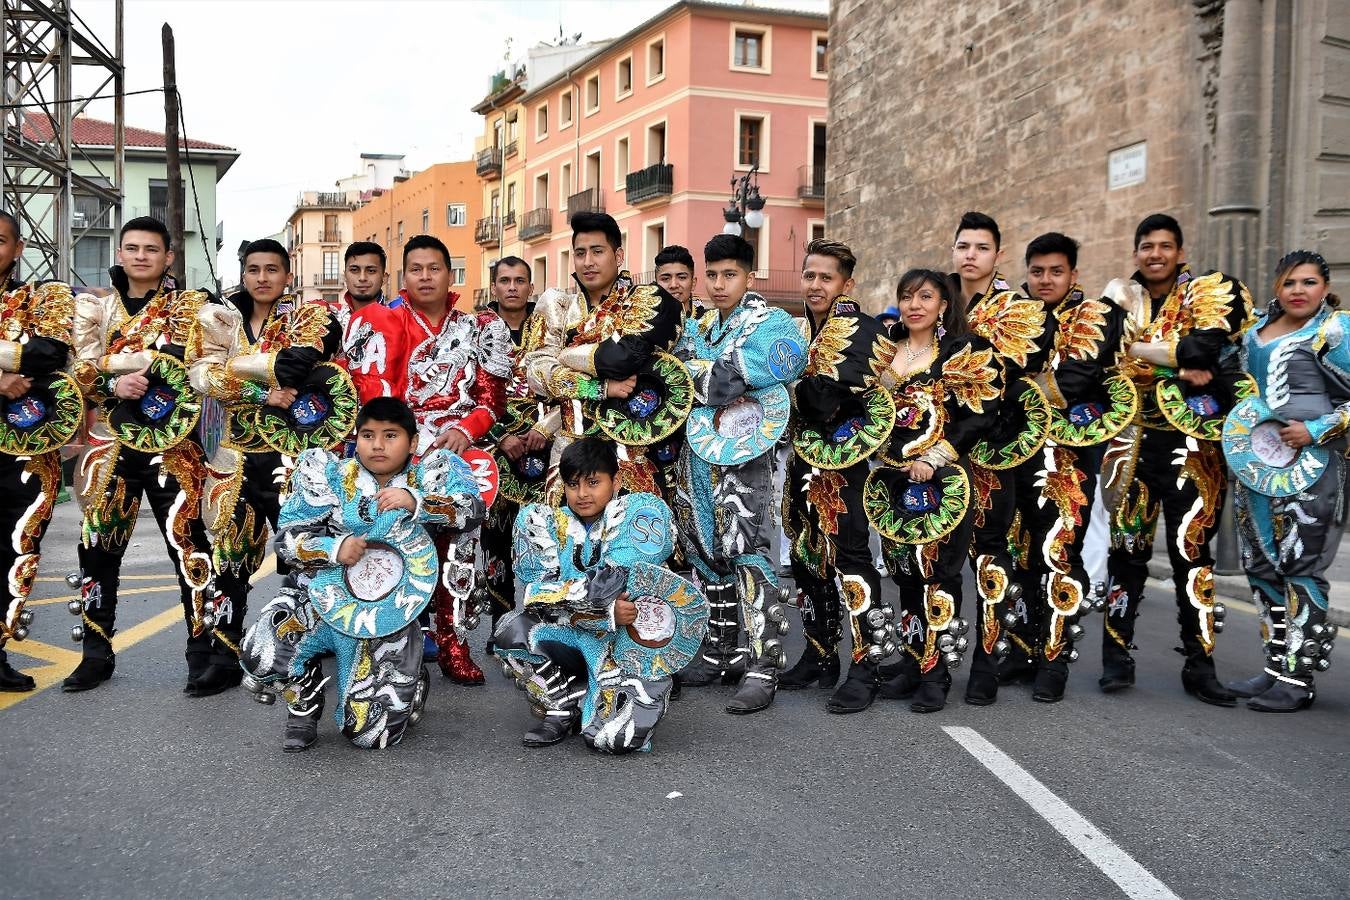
{"points": [[317, 232]]}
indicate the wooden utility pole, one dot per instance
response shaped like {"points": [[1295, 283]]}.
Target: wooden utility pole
{"points": [[174, 207]]}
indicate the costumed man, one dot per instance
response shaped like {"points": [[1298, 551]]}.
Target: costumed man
{"points": [[363, 566], [740, 355], [41, 408], [596, 345], [675, 275], [266, 356], [1182, 335], [459, 366], [603, 626], [842, 417], [1021, 334], [522, 436], [133, 347], [1088, 403], [373, 350]]}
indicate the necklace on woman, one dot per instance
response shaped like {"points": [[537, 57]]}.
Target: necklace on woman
{"points": [[910, 355]]}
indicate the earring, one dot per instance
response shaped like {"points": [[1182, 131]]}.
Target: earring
{"points": [[941, 330]]}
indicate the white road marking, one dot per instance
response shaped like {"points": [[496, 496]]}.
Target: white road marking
{"points": [[1133, 879]]}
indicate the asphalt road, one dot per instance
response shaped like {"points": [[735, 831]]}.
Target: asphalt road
{"points": [[136, 790]]}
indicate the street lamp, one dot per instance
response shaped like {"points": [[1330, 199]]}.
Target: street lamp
{"points": [[746, 205]]}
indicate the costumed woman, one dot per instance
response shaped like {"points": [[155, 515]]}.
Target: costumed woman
{"points": [[946, 383], [1287, 447]]}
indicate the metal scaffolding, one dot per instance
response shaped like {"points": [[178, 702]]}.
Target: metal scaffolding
{"points": [[56, 205]]}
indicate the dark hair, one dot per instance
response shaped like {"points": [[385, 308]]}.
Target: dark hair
{"points": [[676, 255], [1054, 242], [511, 261], [978, 221], [365, 248], [1295, 258], [388, 409], [152, 225], [7, 216], [425, 242], [1158, 222], [265, 245], [588, 456], [953, 319], [729, 246], [587, 222], [836, 250]]}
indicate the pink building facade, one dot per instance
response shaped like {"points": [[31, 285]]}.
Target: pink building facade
{"points": [[653, 127]]}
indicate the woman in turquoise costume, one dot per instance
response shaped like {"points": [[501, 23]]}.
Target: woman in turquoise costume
{"points": [[1287, 449]]}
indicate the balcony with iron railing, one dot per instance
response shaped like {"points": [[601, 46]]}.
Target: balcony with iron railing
{"points": [[510, 220], [480, 298], [326, 280], [330, 237], [537, 223], [652, 183], [91, 212], [511, 149], [811, 183], [312, 199], [589, 200], [488, 162], [488, 232]]}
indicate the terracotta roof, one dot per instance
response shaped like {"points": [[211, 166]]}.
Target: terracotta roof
{"points": [[98, 133]]}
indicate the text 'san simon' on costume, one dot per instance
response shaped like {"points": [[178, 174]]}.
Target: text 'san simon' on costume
{"points": [[458, 372], [246, 475], [587, 341], [143, 447], [1291, 505], [364, 614], [841, 420], [579, 669], [740, 366], [1087, 401], [35, 342], [1021, 332], [942, 411], [1169, 461]]}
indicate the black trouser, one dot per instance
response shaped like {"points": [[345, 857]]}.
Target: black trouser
{"points": [[1055, 487], [929, 579], [497, 536], [994, 504], [23, 480], [830, 540], [1184, 479], [173, 487], [241, 546]]}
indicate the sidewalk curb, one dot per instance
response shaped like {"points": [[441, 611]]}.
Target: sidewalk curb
{"points": [[1235, 587]]}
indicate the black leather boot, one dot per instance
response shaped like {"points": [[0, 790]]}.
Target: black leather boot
{"points": [[218, 678], [932, 693], [982, 688], [556, 725], [1117, 667], [812, 667], [1200, 681], [12, 680], [1289, 695], [858, 690], [901, 679], [1051, 679], [302, 729], [1255, 686], [197, 664]]}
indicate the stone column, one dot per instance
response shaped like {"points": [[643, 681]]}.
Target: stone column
{"points": [[1234, 225]]}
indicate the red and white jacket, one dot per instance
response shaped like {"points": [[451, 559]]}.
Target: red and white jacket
{"points": [[374, 347], [458, 371]]}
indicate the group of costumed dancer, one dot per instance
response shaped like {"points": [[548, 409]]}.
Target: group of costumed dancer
{"points": [[611, 452]]}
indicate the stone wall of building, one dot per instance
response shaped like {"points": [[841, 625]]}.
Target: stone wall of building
{"points": [[1012, 107]]}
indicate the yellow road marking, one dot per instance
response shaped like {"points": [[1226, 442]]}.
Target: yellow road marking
{"points": [[60, 662], [154, 589]]}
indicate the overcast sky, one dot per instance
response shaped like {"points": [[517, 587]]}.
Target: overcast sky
{"points": [[301, 87]]}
